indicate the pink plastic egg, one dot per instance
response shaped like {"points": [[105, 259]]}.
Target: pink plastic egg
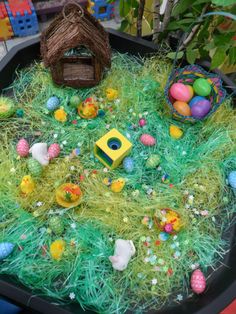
{"points": [[180, 92], [22, 148], [54, 150], [198, 281], [142, 122], [147, 140]]}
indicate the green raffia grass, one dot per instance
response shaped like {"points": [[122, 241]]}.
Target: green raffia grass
{"points": [[197, 164]]}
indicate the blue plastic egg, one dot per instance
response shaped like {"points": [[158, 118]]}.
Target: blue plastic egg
{"points": [[5, 249], [163, 236], [195, 100], [53, 103], [232, 179], [128, 164]]}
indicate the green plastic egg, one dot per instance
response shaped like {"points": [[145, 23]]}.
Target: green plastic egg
{"points": [[153, 161], [34, 167], [202, 87], [56, 225], [75, 101], [7, 107]]}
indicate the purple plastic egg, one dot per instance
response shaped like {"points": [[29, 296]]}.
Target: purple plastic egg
{"points": [[195, 100], [201, 109]]}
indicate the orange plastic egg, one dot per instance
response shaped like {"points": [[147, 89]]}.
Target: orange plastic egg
{"points": [[182, 108]]}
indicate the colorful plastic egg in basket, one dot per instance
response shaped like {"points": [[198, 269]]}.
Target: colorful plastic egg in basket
{"points": [[187, 76]]}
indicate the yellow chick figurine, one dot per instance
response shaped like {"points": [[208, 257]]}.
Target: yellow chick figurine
{"points": [[27, 185], [118, 185], [111, 93], [175, 132], [57, 249], [60, 115]]}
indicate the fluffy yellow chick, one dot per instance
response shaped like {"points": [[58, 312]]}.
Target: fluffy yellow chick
{"points": [[60, 115], [27, 184], [118, 185], [57, 249], [111, 93]]}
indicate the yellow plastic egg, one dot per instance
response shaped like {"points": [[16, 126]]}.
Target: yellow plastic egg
{"points": [[175, 132]]}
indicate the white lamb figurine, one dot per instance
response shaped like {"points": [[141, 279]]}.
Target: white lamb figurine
{"points": [[124, 250], [39, 152]]}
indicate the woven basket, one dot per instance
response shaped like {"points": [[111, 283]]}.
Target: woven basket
{"points": [[188, 75]]}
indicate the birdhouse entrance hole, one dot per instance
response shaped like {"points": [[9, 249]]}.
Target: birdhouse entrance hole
{"points": [[114, 143], [81, 68]]}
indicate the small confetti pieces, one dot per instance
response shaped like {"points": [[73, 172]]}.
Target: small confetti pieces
{"points": [[55, 135], [64, 142], [72, 296], [204, 213], [157, 242], [184, 153], [12, 170], [23, 236], [105, 170], [125, 219], [170, 272], [39, 204], [72, 168]]}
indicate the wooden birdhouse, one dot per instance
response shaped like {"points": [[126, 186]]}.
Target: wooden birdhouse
{"points": [[76, 48]]}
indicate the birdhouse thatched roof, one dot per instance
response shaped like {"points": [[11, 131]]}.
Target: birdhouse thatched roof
{"points": [[73, 27]]}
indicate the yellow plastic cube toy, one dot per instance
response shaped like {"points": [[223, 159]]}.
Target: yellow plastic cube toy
{"points": [[112, 148]]}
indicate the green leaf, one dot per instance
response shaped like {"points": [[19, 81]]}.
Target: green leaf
{"points": [[125, 7], [201, 1], [218, 58], [210, 46], [123, 26], [171, 55], [232, 55], [223, 39], [181, 7], [173, 26], [223, 3], [191, 55], [186, 21]]}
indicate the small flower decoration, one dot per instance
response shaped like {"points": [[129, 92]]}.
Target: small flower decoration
{"points": [[179, 297], [125, 219], [72, 296], [12, 170], [73, 225], [154, 281], [39, 204]]}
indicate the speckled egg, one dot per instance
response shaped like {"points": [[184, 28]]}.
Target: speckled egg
{"points": [[22, 148], [128, 164], [6, 249], [35, 168], [153, 161], [164, 236], [53, 103], [147, 140], [232, 179], [198, 281], [54, 151], [56, 225]]}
